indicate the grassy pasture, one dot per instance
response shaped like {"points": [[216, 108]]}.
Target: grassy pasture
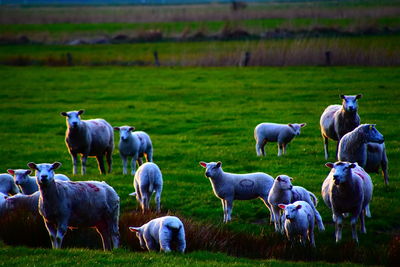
{"points": [[208, 114]]}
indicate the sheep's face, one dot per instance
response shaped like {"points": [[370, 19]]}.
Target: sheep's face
{"points": [[290, 211], [73, 118], [139, 235], [44, 172], [341, 170], [349, 102], [296, 127], [372, 134], [20, 176], [124, 132], [212, 168], [284, 182]]}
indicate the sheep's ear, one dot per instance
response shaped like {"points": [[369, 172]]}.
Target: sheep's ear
{"points": [[290, 125], [116, 128], [11, 171], [298, 207], [342, 96], [219, 163], [278, 178], [56, 165], [352, 165], [32, 165], [303, 125], [134, 229], [282, 206], [64, 114], [359, 96], [291, 179], [27, 172], [203, 164], [80, 112], [329, 165], [131, 129]]}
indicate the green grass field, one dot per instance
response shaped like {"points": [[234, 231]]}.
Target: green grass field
{"points": [[208, 114]]}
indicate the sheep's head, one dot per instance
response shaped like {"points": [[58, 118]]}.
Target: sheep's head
{"points": [[284, 182], [20, 176], [372, 134], [341, 171], [124, 132], [73, 118], [296, 127], [212, 168], [349, 102], [290, 211], [139, 235], [44, 171]]}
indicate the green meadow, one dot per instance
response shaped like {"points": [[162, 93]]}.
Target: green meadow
{"points": [[204, 114]]}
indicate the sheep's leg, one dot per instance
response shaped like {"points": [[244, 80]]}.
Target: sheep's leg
{"points": [[362, 222], [279, 149], [338, 219], [224, 210], [276, 214], [181, 240], [74, 162], [124, 164], [353, 222], [326, 147], [140, 161], [384, 165], [109, 160], [100, 162], [84, 159], [149, 155], [61, 231], [265, 200], [158, 199], [151, 244], [133, 163], [284, 148], [311, 231], [165, 239], [318, 218], [259, 149], [52, 233], [104, 232], [229, 205]]}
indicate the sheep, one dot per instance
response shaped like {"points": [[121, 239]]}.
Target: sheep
{"points": [[273, 132], [365, 145], [337, 120], [299, 221], [88, 138], [347, 189], [159, 234], [7, 185], [23, 202], [27, 183], [148, 179], [283, 192], [76, 204], [231, 186], [135, 145]]}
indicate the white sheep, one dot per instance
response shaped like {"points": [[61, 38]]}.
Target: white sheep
{"points": [[23, 202], [76, 204], [89, 138], [148, 179], [27, 183], [337, 120], [274, 132], [160, 233], [7, 185], [230, 186], [283, 192], [347, 189], [299, 221], [133, 144]]}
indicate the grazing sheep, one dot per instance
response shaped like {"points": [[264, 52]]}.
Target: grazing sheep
{"points": [[76, 204], [230, 186], [23, 202], [365, 145], [135, 145], [337, 120], [27, 183], [160, 233], [148, 179], [273, 132], [347, 189], [299, 221], [7, 185], [283, 192], [88, 138]]}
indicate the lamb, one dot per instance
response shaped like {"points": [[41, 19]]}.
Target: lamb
{"points": [[76, 204], [23, 202], [135, 145], [160, 233], [231, 186], [338, 120], [365, 145], [283, 192], [148, 179], [7, 185], [273, 132], [299, 221], [27, 183], [88, 138], [347, 189]]}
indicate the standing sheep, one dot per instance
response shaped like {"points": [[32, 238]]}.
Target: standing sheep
{"points": [[27, 183], [365, 145], [273, 132], [7, 185], [76, 204], [230, 186], [347, 189], [283, 192], [159, 234], [88, 138], [337, 120], [133, 144], [148, 179], [299, 221]]}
